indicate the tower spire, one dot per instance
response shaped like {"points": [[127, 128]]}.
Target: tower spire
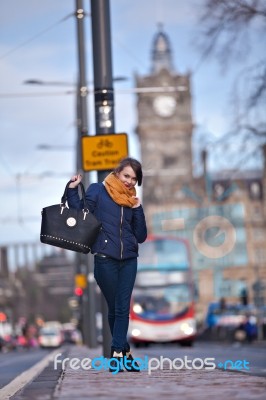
{"points": [[161, 52]]}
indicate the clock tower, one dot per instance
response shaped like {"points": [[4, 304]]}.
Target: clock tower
{"points": [[164, 127]]}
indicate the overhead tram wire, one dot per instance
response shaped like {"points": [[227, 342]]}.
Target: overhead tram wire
{"points": [[45, 94], [158, 89], [40, 94], [129, 52], [23, 44]]}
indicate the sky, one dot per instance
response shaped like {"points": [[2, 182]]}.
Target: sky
{"points": [[38, 41]]}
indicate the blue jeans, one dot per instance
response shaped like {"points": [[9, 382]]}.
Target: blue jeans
{"points": [[116, 280]]}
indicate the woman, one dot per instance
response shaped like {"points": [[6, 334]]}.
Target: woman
{"points": [[115, 204]]}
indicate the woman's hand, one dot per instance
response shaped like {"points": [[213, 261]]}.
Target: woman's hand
{"points": [[76, 179], [138, 203]]}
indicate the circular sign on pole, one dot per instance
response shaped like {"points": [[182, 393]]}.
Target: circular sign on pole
{"points": [[224, 227]]}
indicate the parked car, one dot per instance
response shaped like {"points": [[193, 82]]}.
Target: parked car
{"points": [[50, 336], [231, 321], [229, 315], [71, 334], [2, 344]]}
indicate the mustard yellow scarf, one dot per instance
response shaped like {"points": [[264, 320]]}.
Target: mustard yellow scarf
{"points": [[119, 193]]}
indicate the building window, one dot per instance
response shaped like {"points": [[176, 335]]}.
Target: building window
{"points": [[226, 288], [169, 161], [260, 256], [259, 234], [255, 190], [256, 213]]}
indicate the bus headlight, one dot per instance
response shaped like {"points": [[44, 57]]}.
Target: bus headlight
{"points": [[187, 328], [137, 308], [135, 332]]}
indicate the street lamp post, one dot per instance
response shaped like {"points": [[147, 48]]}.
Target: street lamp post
{"points": [[104, 103], [84, 262]]}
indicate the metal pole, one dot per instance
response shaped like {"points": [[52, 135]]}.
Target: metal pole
{"points": [[104, 103], [84, 263]]}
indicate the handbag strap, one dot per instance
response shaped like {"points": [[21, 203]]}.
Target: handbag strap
{"points": [[64, 197]]}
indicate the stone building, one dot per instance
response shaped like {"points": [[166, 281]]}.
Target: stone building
{"points": [[164, 126], [222, 215]]}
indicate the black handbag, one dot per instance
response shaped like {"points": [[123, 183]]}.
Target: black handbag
{"points": [[69, 228]]}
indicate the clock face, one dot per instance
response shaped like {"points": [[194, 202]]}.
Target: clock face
{"points": [[164, 106]]}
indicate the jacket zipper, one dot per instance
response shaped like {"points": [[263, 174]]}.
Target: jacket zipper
{"points": [[121, 221]]}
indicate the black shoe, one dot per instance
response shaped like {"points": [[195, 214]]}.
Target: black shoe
{"points": [[129, 363], [116, 363]]}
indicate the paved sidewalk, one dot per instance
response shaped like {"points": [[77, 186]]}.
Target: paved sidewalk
{"points": [[170, 384]]}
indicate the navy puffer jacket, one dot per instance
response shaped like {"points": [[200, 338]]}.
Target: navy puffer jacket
{"points": [[122, 227]]}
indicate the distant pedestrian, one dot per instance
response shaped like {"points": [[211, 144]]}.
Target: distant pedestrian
{"points": [[244, 297], [223, 304], [250, 328]]}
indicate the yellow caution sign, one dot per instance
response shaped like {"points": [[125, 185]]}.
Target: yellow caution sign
{"points": [[103, 152], [80, 281]]}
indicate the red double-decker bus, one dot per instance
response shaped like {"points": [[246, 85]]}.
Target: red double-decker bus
{"points": [[162, 306]]}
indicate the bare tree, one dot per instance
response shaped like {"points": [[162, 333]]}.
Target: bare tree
{"points": [[231, 29]]}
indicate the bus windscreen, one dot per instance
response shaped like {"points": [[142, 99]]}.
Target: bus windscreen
{"points": [[163, 254]]}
